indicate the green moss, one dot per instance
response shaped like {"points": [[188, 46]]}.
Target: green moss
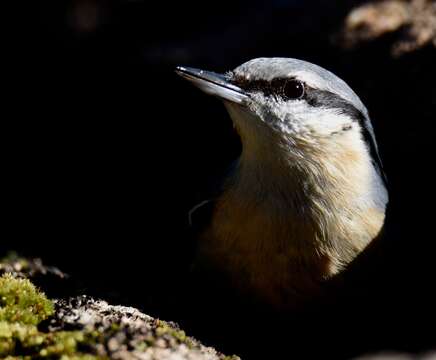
{"points": [[162, 328], [12, 256], [22, 308], [21, 302]]}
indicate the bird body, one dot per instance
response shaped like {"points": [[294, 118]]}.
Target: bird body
{"points": [[307, 194]]}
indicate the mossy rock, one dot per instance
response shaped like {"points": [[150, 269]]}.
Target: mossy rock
{"points": [[82, 328], [22, 308]]}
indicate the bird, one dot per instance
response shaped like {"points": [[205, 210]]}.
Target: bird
{"points": [[308, 192]]}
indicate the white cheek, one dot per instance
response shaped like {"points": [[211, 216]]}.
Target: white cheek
{"points": [[304, 119], [297, 118]]}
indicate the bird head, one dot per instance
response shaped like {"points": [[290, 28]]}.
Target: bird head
{"points": [[291, 107], [295, 111]]}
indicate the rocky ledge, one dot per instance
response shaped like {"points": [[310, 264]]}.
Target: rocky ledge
{"points": [[32, 326], [35, 327]]}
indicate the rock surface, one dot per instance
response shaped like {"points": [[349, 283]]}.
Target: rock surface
{"points": [[414, 21], [84, 328], [31, 326], [126, 333]]}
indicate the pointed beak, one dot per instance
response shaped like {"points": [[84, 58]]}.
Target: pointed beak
{"points": [[213, 84]]}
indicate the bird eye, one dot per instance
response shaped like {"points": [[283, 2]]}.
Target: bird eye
{"points": [[293, 89]]}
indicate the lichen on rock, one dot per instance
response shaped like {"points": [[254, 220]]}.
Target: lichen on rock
{"points": [[126, 333], [82, 328], [22, 309]]}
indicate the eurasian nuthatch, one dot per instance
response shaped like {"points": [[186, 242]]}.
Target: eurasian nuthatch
{"points": [[308, 192]]}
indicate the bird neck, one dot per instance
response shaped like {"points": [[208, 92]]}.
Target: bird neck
{"points": [[318, 198]]}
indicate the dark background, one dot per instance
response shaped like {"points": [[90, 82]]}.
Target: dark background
{"points": [[106, 149]]}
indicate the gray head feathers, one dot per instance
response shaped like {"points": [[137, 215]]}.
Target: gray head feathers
{"points": [[270, 68]]}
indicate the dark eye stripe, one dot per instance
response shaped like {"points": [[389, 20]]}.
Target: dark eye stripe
{"points": [[273, 87]]}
